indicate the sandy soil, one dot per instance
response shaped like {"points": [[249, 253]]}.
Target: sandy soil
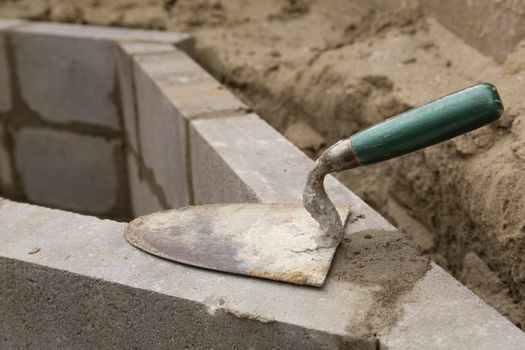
{"points": [[321, 70]]}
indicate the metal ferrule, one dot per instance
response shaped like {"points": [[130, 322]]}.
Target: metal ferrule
{"points": [[340, 156]]}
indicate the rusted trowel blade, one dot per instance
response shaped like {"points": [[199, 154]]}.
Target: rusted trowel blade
{"points": [[273, 241]]}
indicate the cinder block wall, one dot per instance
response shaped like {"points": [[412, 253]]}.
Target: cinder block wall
{"points": [[61, 116], [163, 89]]}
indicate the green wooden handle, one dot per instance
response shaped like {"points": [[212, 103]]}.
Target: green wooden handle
{"points": [[436, 121]]}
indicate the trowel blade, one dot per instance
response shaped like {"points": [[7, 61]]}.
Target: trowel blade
{"points": [[272, 241]]}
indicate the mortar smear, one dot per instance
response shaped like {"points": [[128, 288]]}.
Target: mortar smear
{"points": [[386, 259]]}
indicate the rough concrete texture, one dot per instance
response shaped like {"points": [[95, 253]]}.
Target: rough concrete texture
{"points": [[6, 171], [116, 290], [143, 48], [108, 33], [166, 85], [5, 82], [127, 85], [214, 180], [110, 310], [67, 170], [181, 79], [145, 194], [161, 139], [187, 306], [143, 199], [127, 99], [67, 79], [428, 305]]}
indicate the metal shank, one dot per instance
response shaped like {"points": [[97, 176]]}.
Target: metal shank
{"points": [[338, 157]]}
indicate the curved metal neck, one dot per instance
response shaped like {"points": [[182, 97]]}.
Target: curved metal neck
{"points": [[338, 157]]}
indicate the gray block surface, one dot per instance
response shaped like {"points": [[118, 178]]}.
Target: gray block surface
{"points": [[109, 316], [125, 297], [68, 170], [188, 86], [5, 80], [106, 33], [6, 171], [162, 134], [118, 289], [441, 313], [170, 89], [127, 84], [127, 98], [143, 199], [67, 79]]}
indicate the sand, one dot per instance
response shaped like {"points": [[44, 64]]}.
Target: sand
{"points": [[386, 260], [319, 71]]}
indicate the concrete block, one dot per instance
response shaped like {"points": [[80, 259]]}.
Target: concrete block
{"points": [[126, 293], [188, 86], [143, 200], [441, 313], [127, 85], [170, 89], [63, 271], [5, 81], [67, 170], [214, 181], [127, 99], [162, 133], [6, 172], [67, 79], [243, 159], [141, 48], [76, 31], [6, 23]]}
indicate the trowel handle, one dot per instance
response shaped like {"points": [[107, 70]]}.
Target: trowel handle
{"points": [[431, 123]]}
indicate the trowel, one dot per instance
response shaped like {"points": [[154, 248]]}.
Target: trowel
{"points": [[296, 242]]}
